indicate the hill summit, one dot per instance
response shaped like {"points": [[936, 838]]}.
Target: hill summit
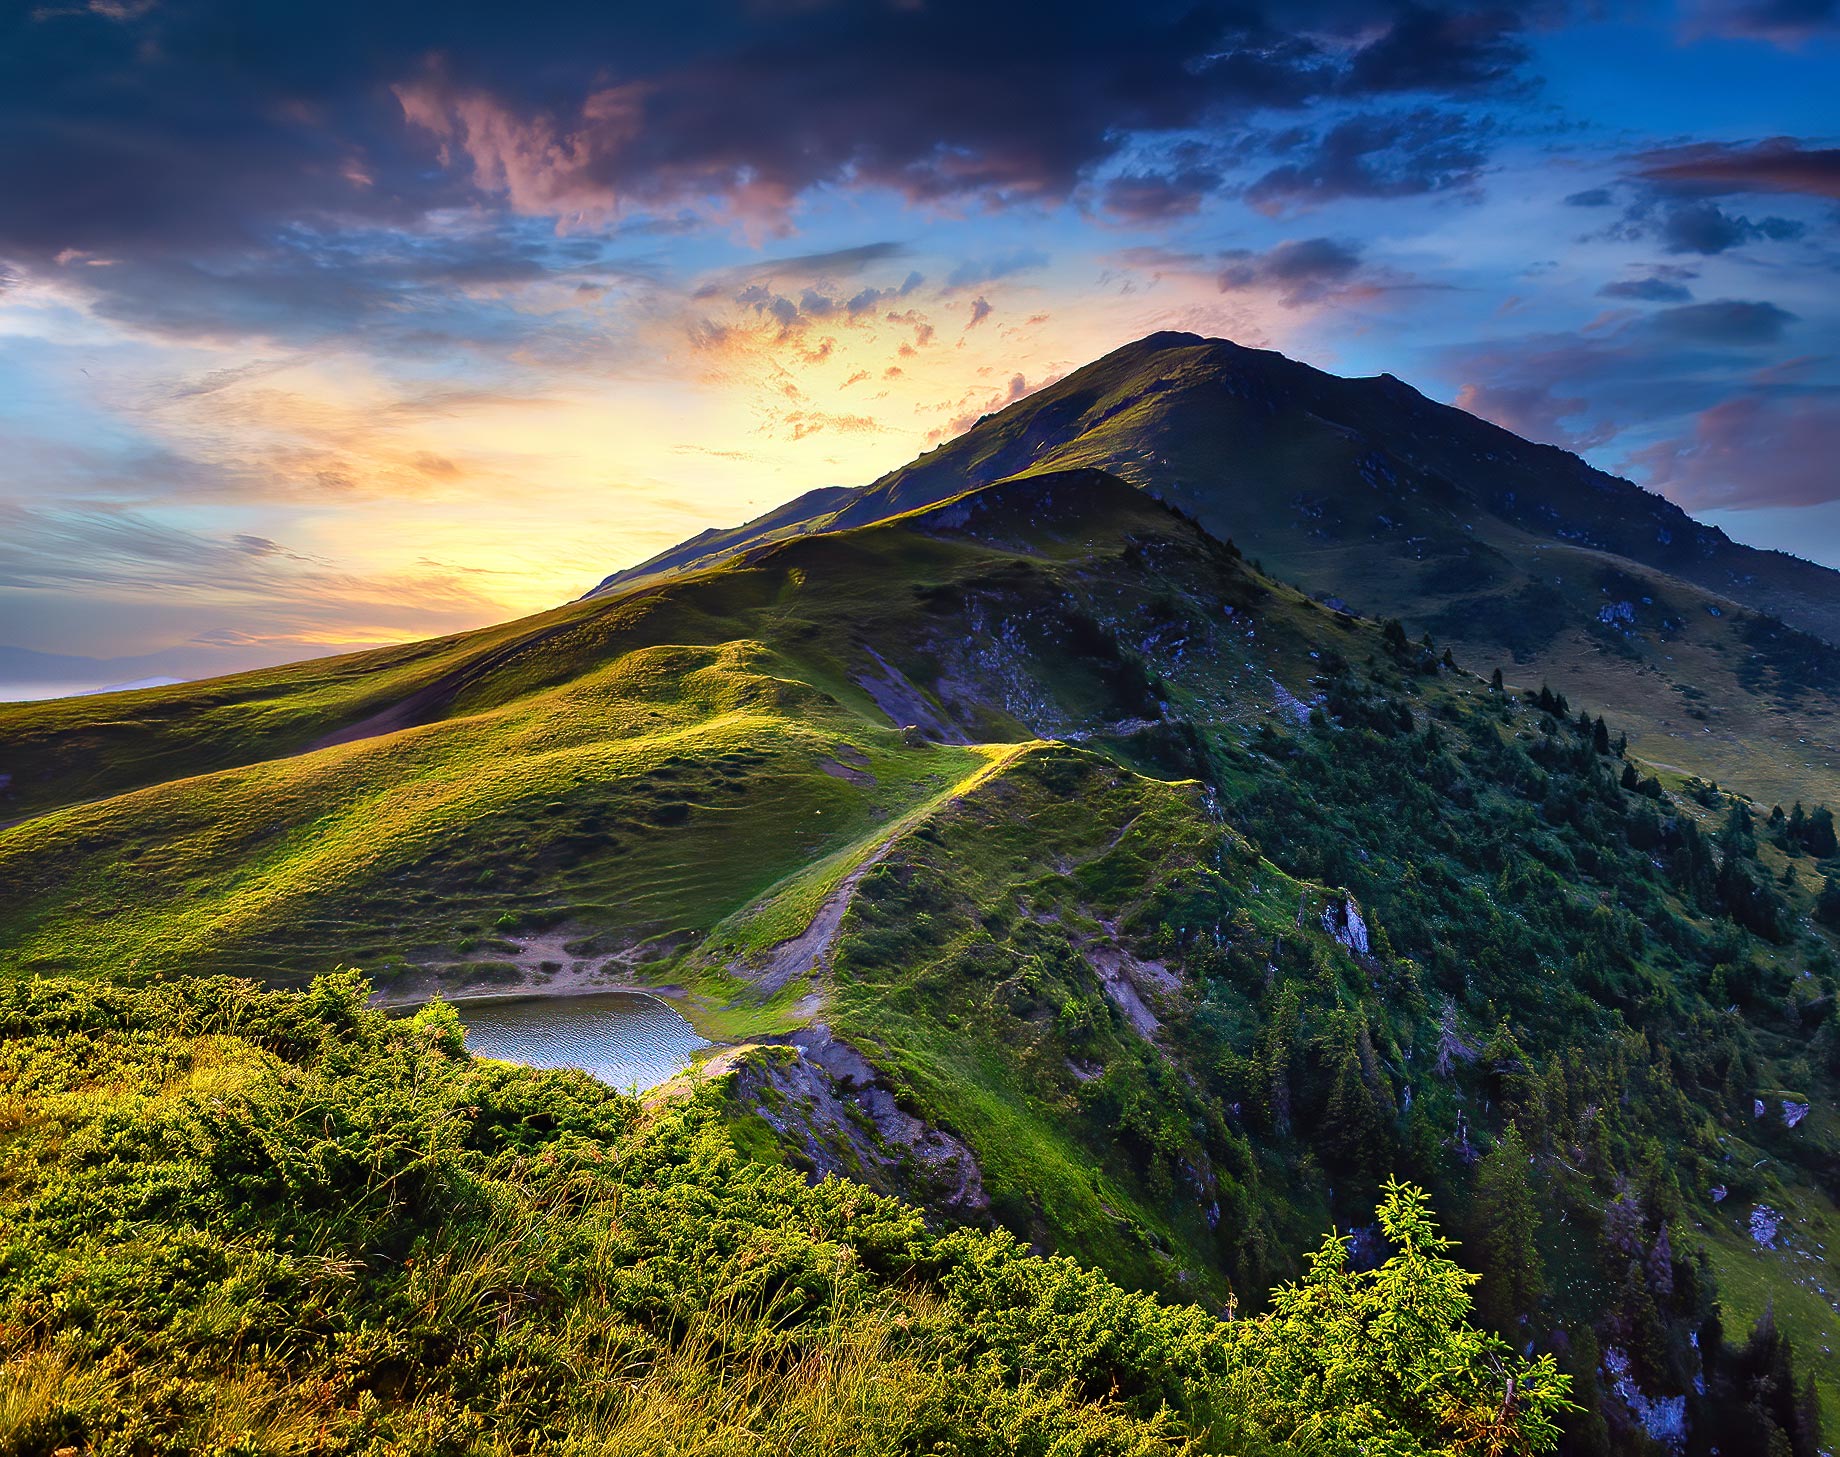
{"points": [[1369, 495]]}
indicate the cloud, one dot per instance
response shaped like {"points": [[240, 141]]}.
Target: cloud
{"points": [[1158, 197], [129, 556], [1781, 164], [1375, 155], [1740, 323], [1440, 50], [974, 272], [1654, 289], [1590, 197], [1019, 388], [980, 311], [1583, 390], [1703, 227], [1535, 411], [150, 127], [1299, 271], [1755, 449], [803, 423], [217, 158]]}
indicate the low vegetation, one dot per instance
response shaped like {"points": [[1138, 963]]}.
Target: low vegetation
{"points": [[1193, 911], [238, 1221]]}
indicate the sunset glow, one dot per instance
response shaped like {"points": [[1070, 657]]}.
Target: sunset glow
{"points": [[388, 354]]}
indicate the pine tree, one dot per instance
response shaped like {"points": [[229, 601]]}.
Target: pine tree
{"points": [[1586, 1432], [1827, 904], [1819, 837], [1600, 736], [1495, 685], [1508, 1236], [1354, 1130]]}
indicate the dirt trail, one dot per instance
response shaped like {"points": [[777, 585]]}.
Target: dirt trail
{"points": [[809, 951]]}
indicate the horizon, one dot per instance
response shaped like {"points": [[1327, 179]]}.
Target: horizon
{"points": [[325, 330]]}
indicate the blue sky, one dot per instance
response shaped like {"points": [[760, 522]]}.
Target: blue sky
{"points": [[328, 323]]}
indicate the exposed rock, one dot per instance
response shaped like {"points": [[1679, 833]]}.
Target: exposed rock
{"points": [[1130, 983], [1794, 1113], [1343, 920], [1289, 704], [1663, 1418], [905, 704], [826, 1102], [849, 773]]}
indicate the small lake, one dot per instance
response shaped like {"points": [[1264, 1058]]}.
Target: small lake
{"points": [[626, 1040]]}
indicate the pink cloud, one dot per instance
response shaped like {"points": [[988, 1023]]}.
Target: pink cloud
{"points": [[573, 172], [1750, 450]]}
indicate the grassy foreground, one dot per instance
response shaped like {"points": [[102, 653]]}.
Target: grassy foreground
{"points": [[247, 1222]]}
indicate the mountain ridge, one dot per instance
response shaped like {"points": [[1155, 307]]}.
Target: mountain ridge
{"points": [[1719, 658], [970, 460]]}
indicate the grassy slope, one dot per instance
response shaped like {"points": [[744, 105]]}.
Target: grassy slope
{"points": [[634, 770], [1506, 550], [688, 769]]}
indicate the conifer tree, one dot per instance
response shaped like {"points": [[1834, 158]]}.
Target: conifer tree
{"points": [[1508, 1230], [1827, 904], [1819, 837]]}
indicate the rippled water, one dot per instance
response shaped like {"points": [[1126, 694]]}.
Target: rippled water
{"points": [[622, 1038]]}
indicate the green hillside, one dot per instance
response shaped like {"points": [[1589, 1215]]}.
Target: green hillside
{"points": [[1715, 657], [1041, 866]]}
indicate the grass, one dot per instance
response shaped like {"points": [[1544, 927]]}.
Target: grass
{"points": [[1785, 1281], [680, 778], [647, 770]]}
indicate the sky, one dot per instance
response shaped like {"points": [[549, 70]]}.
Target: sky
{"points": [[333, 322]]}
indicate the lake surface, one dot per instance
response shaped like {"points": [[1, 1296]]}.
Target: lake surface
{"points": [[624, 1039]]}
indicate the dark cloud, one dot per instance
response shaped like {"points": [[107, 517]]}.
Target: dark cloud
{"points": [[867, 299], [1781, 164], [1442, 50], [1590, 197], [200, 141], [980, 311], [836, 263], [1379, 155], [1739, 323], [1159, 197], [1703, 227], [1652, 290], [1299, 271], [399, 289]]}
